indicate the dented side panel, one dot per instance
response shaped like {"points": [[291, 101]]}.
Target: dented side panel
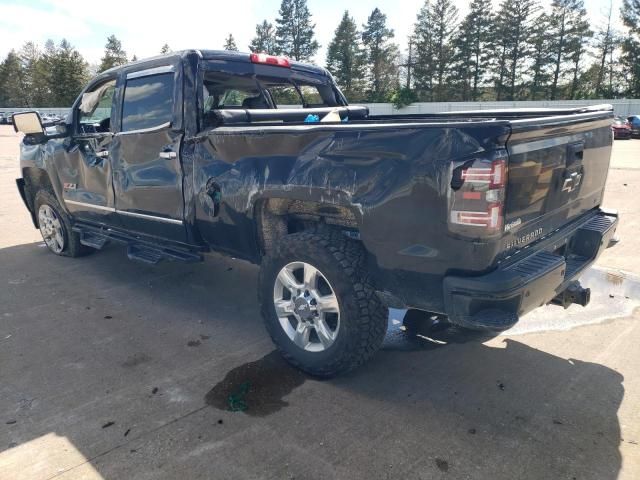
{"points": [[394, 180]]}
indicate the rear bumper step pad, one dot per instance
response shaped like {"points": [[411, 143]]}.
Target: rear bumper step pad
{"points": [[496, 301]]}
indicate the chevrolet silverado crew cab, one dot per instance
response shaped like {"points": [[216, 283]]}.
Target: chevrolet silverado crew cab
{"points": [[477, 216]]}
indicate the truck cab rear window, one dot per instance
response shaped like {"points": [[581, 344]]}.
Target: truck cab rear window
{"points": [[148, 102], [225, 91]]}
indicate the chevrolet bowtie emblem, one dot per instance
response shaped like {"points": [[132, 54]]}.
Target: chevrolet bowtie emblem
{"points": [[572, 182]]}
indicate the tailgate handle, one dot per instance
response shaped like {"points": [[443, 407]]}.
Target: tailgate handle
{"points": [[575, 152]]}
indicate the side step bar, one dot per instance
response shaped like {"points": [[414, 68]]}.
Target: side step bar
{"points": [[138, 248], [92, 240]]}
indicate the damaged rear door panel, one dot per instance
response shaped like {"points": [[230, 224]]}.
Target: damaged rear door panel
{"points": [[146, 153]]}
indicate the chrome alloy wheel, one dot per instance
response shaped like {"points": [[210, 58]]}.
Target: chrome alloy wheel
{"points": [[51, 228], [306, 306]]}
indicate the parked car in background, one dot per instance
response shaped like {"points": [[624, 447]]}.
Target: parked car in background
{"points": [[3, 119], [621, 129], [634, 122]]}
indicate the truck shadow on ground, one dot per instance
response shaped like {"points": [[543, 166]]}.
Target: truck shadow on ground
{"points": [[461, 407]]}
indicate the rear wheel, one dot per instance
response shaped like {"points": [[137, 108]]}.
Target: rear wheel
{"points": [[318, 304], [55, 227]]}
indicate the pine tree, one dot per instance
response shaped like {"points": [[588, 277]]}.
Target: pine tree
{"points": [[12, 92], [409, 63], [630, 12], [568, 30], [512, 36], [114, 55], [68, 74], [3, 83], [472, 49], [443, 17], [577, 49], [542, 58], [295, 32], [424, 69], [165, 49], [34, 74], [381, 55], [230, 43], [265, 39], [47, 62], [345, 59], [605, 46]]}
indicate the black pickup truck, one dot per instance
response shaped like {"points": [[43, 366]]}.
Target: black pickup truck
{"points": [[477, 216]]}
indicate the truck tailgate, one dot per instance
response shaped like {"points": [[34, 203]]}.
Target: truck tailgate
{"points": [[557, 171]]}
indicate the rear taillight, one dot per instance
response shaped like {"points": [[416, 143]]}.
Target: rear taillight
{"points": [[477, 196], [270, 60]]}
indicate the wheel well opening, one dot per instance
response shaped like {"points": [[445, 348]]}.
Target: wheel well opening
{"points": [[277, 217], [35, 179]]}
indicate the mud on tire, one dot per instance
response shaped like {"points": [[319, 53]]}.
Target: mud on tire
{"points": [[363, 318]]}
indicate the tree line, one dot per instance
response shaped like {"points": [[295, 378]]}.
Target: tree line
{"points": [[518, 51]]}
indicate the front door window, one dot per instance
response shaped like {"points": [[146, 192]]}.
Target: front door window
{"points": [[94, 112]]}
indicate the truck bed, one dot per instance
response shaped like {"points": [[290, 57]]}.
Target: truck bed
{"points": [[391, 176]]}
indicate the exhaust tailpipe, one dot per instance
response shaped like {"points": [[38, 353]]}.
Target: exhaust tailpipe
{"points": [[574, 293]]}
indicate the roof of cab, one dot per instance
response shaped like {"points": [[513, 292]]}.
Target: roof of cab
{"points": [[218, 55]]}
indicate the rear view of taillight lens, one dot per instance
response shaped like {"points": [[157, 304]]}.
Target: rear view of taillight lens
{"points": [[477, 195]]}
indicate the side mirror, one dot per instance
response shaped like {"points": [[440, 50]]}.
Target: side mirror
{"points": [[31, 125], [28, 123]]}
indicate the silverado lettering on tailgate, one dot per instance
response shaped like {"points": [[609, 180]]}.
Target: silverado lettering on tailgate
{"points": [[523, 240]]}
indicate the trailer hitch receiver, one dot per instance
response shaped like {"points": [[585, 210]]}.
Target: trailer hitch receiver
{"points": [[574, 293]]}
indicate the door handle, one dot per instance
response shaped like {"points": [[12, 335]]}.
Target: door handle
{"points": [[102, 154], [168, 155]]}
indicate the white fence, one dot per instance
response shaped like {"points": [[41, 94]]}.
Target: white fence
{"points": [[621, 107]]}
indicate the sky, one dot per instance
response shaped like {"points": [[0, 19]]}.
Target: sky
{"points": [[144, 26]]}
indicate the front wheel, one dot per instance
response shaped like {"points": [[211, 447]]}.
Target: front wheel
{"points": [[318, 304], [55, 227]]}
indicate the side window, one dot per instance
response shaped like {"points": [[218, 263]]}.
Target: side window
{"points": [[312, 96], [94, 113], [285, 96], [223, 91], [148, 102]]}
